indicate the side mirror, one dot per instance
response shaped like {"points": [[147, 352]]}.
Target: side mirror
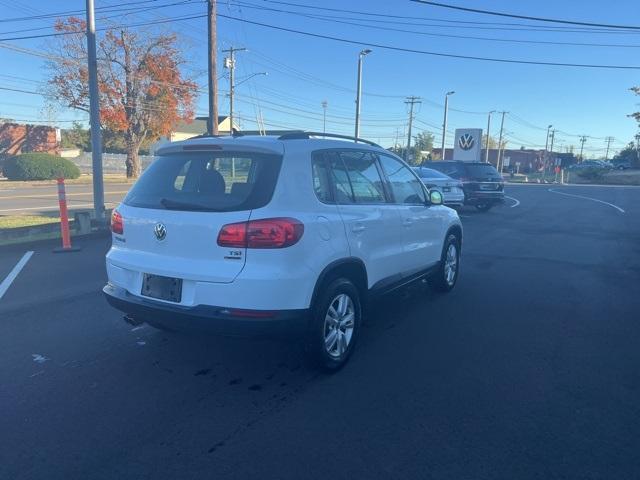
{"points": [[435, 197]]}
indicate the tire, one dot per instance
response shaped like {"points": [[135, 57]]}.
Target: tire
{"points": [[442, 280], [484, 207], [325, 351]]}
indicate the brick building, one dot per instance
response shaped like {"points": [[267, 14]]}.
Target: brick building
{"points": [[16, 138]]}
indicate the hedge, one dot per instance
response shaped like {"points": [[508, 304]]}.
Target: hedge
{"points": [[39, 166]]}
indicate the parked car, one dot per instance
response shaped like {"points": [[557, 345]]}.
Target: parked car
{"points": [[451, 189], [252, 234], [482, 184], [597, 164], [621, 164]]}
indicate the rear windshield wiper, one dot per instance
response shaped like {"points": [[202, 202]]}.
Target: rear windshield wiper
{"points": [[177, 205]]}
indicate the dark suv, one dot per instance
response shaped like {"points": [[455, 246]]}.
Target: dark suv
{"points": [[482, 184]]}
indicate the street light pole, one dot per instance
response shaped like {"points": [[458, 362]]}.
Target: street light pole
{"points": [[362, 54], [212, 123], [230, 63], [444, 123], [324, 104], [486, 148], [500, 143], [94, 112]]}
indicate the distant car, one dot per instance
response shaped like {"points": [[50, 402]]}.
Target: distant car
{"points": [[451, 189], [621, 164], [482, 184], [599, 164]]}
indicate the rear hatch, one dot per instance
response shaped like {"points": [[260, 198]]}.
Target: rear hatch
{"points": [[173, 215], [483, 177]]}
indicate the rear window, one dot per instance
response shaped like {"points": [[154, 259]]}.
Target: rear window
{"points": [[481, 170], [220, 182], [430, 173], [451, 169]]}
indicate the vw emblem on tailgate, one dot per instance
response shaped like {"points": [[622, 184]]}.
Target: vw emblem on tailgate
{"points": [[160, 231], [466, 141]]}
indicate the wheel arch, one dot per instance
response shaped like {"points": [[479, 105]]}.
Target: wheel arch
{"points": [[352, 268]]}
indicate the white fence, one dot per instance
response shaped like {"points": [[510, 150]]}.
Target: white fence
{"points": [[111, 162]]}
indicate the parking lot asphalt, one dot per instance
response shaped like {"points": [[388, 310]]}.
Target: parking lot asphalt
{"points": [[530, 368], [40, 199]]}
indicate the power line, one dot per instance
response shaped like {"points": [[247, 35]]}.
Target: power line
{"points": [[425, 52], [342, 20], [387, 16], [143, 24], [527, 17]]}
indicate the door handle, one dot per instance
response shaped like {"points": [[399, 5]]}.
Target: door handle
{"points": [[357, 228], [407, 222]]}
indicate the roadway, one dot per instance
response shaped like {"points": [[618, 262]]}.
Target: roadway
{"points": [[529, 369], [42, 199]]}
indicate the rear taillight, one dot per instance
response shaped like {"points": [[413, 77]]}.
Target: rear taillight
{"points": [[117, 224], [265, 233]]}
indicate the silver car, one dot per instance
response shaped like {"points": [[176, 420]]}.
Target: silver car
{"points": [[450, 188]]}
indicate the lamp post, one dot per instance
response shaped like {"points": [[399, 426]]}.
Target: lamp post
{"points": [[486, 148], [324, 104], [362, 54], [444, 123]]}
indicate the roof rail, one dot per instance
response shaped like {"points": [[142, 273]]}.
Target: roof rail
{"points": [[306, 135]]}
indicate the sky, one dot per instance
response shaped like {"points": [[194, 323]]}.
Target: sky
{"points": [[303, 71]]}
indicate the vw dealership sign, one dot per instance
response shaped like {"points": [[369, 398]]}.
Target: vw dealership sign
{"points": [[468, 144]]}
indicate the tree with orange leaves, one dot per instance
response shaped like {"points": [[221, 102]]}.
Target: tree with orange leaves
{"points": [[143, 92]]}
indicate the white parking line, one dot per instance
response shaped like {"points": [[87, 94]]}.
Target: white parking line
{"points": [[587, 198], [6, 283], [514, 199]]}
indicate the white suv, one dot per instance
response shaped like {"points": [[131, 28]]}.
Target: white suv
{"points": [[253, 233]]}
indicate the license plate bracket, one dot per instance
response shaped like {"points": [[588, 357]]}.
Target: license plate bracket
{"points": [[163, 288], [487, 186]]}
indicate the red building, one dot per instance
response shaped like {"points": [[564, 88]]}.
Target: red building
{"points": [[16, 139]]}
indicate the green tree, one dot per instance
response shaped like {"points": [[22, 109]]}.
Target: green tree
{"points": [[636, 115], [421, 143], [629, 153], [493, 143], [76, 137]]}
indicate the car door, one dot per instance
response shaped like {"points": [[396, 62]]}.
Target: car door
{"points": [[422, 224], [372, 224]]}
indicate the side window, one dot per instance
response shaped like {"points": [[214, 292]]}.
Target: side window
{"points": [[406, 188], [321, 184], [363, 175]]}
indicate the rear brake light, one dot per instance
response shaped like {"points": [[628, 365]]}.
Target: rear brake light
{"points": [[265, 233], [117, 224]]}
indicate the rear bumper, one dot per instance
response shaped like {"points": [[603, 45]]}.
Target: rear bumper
{"points": [[207, 318], [476, 197]]}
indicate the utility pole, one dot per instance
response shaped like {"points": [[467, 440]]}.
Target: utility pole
{"points": [[553, 137], [609, 140], [94, 112], [638, 148], [583, 139], [212, 124], [444, 122], [324, 104], [500, 142], [486, 148], [411, 101], [230, 63], [361, 55]]}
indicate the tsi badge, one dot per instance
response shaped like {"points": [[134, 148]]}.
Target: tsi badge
{"points": [[160, 231], [468, 144]]}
